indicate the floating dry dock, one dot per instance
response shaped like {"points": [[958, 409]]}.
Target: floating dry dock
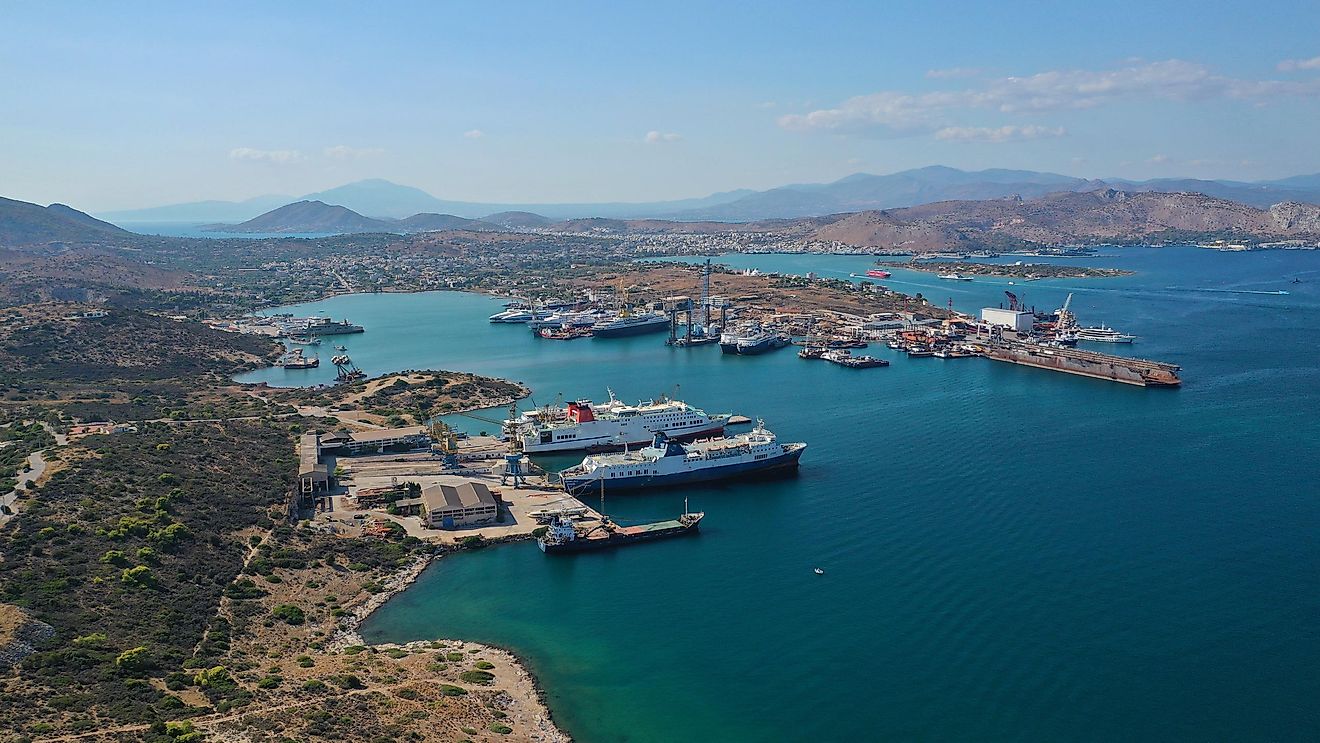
{"points": [[1086, 363]]}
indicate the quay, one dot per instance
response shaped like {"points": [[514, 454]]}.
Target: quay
{"points": [[1139, 372]]}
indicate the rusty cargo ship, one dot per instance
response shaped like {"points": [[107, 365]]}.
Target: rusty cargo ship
{"points": [[1139, 372]]}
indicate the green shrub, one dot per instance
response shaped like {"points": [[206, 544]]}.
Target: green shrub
{"points": [[450, 690], [484, 665], [499, 727], [136, 660], [138, 577], [270, 682], [454, 657], [313, 685], [477, 677], [289, 614]]}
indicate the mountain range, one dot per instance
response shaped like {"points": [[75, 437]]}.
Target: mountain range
{"points": [[380, 199], [22, 223], [320, 217]]}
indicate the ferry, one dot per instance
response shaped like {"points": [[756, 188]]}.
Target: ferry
{"points": [[954, 277], [585, 425], [519, 315], [877, 273], [563, 319], [1103, 334], [629, 324], [751, 341], [667, 462]]}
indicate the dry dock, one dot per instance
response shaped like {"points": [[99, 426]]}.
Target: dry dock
{"points": [[1139, 372]]}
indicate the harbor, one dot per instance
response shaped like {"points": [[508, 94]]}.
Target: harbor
{"points": [[935, 481]]}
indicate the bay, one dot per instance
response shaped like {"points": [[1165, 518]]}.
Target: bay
{"points": [[1010, 553]]}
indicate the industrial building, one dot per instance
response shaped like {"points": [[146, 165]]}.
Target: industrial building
{"points": [[313, 476], [450, 506], [376, 441], [1018, 320]]}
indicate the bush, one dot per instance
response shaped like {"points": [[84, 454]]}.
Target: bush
{"points": [[484, 665], [453, 657], [313, 685], [347, 681], [450, 690], [138, 577], [305, 661], [135, 660], [289, 614], [270, 682], [499, 727], [477, 677]]}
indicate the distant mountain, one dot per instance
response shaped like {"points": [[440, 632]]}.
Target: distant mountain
{"points": [[23, 224], [381, 199], [306, 216], [202, 211], [318, 216], [517, 220]]}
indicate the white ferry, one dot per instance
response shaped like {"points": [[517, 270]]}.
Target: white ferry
{"points": [[1103, 334], [584, 425], [667, 462]]}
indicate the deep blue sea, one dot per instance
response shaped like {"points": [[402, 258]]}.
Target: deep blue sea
{"points": [[1010, 553]]}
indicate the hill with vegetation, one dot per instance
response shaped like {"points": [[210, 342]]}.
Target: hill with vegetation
{"points": [[26, 225]]}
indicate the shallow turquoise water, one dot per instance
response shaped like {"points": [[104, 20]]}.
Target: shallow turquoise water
{"points": [[1010, 553]]}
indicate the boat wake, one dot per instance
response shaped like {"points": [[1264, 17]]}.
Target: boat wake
{"points": [[1277, 292]]}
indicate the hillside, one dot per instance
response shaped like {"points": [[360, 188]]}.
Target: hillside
{"points": [[23, 224], [317, 216], [306, 216], [1093, 216]]}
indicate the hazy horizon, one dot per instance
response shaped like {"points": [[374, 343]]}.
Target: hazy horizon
{"points": [[112, 111]]}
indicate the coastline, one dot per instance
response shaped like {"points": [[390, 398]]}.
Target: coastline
{"points": [[526, 690]]}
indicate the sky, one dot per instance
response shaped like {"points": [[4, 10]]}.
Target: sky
{"points": [[109, 106]]}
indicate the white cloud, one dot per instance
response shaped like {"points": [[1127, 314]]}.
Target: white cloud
{"points": [[898, 113], [1293, 65], [1158, 159], [655, 137], [998, 134], [474, 134], [272, 157], [344, 152], [953, 72]]}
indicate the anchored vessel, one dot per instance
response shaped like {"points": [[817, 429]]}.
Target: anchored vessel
{"points": [[296, 360], [667, 462], [752, 340], [1086, 363], [563, 536], [1103, 334], [611, 425], [628, 324], [843, 357], [326, 326]]}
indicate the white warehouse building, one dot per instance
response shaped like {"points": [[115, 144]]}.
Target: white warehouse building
{"points": [[1012, 319]]}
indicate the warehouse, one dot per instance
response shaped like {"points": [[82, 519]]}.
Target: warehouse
{"points": [[450, 506], [1012, 319], [376, 441]]}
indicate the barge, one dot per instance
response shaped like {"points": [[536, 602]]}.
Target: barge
{"points": [[1140, 372], [563, 536]]}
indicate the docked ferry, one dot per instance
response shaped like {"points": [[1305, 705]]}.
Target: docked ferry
{"points": [[1103, 334], [585, 425], [667, 462], [629, 324], [751, 341]]}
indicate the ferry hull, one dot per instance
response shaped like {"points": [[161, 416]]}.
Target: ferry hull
{"points": [[640, 329], [784, 463], [606, 443]]}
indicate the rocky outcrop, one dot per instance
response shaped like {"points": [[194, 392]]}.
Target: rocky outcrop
{"points": [[20, 635], [1292, 217]]}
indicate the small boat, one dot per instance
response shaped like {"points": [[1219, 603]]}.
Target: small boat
{"points": [[304, 341], [818, 571], [341, 348]]}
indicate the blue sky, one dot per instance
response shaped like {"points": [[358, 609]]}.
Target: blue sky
{"points": [[120, 105]]}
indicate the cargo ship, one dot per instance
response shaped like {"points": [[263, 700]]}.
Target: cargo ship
{"points": [[1086, 363], [563, 537], [326, 326], [667, 462], [585, 425]]}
